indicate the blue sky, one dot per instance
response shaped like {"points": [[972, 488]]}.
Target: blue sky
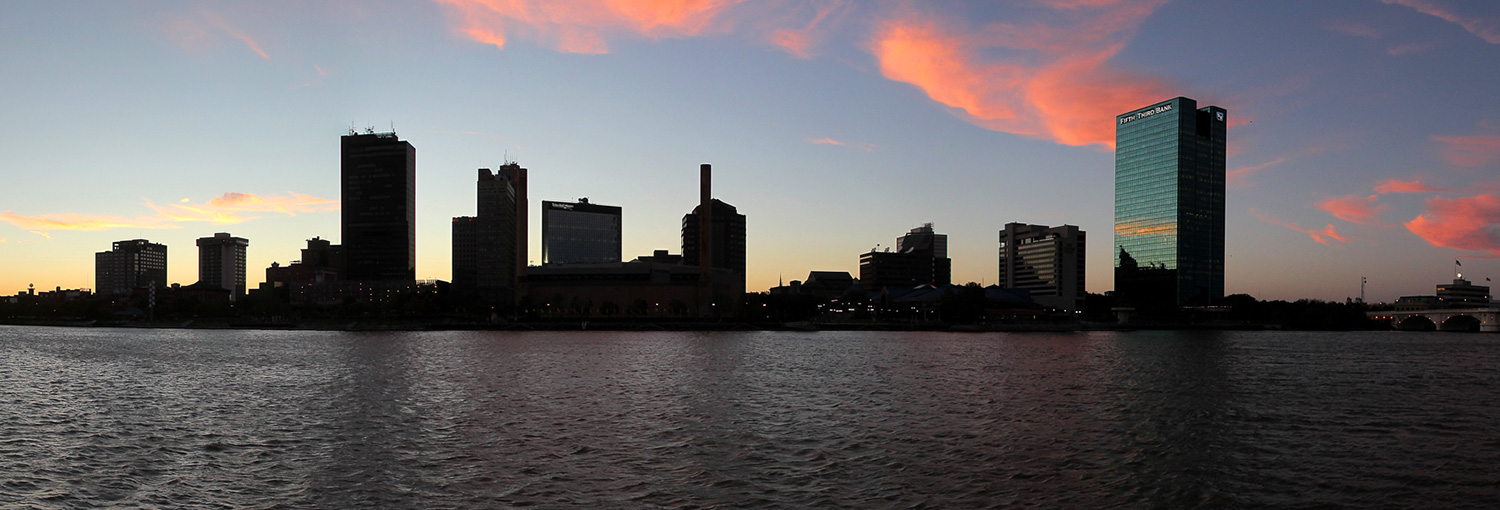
{"points": [[1365, 138]]}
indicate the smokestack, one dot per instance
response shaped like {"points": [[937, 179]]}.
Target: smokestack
{"points": [[705, 239]]}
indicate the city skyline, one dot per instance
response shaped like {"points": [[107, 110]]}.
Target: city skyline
{"points": [[1364, 141]]}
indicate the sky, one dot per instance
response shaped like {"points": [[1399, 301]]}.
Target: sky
{"points": [[1364, 142]]}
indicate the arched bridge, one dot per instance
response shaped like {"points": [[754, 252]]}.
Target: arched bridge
{"points": [[1448, 319]]}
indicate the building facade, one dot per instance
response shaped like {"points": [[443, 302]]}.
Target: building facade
{"points": [[1046, 261], [221, 263], [130, 265], [486, 247], [1169, 205], [379, 207], [580, 233], [921, 258]]}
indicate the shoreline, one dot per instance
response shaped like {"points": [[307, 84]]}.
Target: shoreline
{"points": [[620, 325]]}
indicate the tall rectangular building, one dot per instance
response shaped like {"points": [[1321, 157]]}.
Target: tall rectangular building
{"points": [[1169, 205], [130, 265], [221, 263], [580, 233], [379, 207], [486, 247], [1047, 261]]}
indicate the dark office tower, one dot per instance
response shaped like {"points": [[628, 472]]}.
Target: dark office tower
{"points": [[921, 258], [130, 265], [580, 233], [221, 263], [379, 207], [485, 246], [1048, 262], [1169, 205], [726, 246]]}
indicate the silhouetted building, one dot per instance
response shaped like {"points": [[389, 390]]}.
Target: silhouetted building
{"points": [[379, 208], [1463, 294], [727, 237], [823, 284], [315, 278], [580, 233], [921, 258], [644, 287], [486, 248], [221, 263], [1046, 261], [1169, 205], [130, 265]]}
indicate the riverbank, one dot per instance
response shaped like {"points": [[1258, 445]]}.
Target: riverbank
{"points": [[630, 325]]}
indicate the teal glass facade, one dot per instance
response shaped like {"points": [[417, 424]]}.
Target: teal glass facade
{"points": [[1169, 204]]}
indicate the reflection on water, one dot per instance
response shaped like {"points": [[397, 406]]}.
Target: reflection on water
{"points": [[493, 419]]}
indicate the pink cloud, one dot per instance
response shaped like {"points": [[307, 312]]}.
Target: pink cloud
{"points": [[582, 26], [1355, 209], [1321, 236], [1409, 49], [798, 41], [1486, 27], [1394, 185], [1047, 81], [1239, 177], [1465, 223], [1354, 29], [224, 209], [1472, 151], [867, 147], [195, 32]]}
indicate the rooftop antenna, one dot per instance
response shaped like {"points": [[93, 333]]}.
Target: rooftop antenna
{"points": [[393, 127], [1362, 289]]}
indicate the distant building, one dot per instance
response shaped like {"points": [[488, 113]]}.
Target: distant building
{"points": [[312, 279], [379, 207], [221, 263], [1046, 261], [580, 233], [823, 284], [921, 258], [1169, 205], [1463, 294], [643, 287], [487, 247], [130, 265]]}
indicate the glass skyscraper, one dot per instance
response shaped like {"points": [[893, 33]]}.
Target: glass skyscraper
{"points": [[1169, 205]]}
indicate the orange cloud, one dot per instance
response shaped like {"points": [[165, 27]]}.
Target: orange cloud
{"points": [[1487, 28], [1321, 236], [1355, 209], [224, 209], [1465, 223], [83, 222], [1052, 82], [290, 205], [581, 26], [1472, 151], [1394, 185]]}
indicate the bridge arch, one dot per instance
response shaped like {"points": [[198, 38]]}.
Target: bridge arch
{"points": [[1460, 322], [1416, 323]]}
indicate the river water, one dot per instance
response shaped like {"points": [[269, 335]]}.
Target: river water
{"points": [[293, 419]]}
